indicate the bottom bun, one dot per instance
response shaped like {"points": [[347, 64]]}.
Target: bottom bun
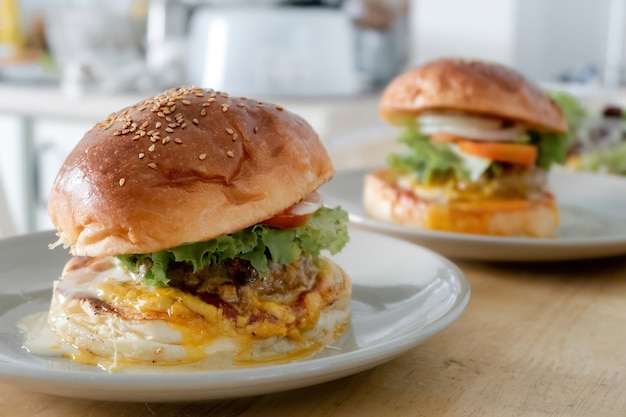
{"points": [[114, 323], [384, 200]]}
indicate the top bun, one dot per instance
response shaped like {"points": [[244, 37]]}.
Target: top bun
{"points": [[186, 165], [459, 85]]}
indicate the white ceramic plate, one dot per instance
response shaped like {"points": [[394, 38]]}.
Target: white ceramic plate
{"points": [[592, 209], [402, 295]]}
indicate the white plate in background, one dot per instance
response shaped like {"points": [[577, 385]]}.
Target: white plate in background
{"points": [[402, 295], [592, 209]]}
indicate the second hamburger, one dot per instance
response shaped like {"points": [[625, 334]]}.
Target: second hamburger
{"points": [[481, 140]]}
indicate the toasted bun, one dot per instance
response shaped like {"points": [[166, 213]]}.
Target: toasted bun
{"points": [[183, 166], [384, 200], [171, 327], [458, 85]]}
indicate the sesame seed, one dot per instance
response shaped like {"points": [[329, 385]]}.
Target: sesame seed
{"points": [[141, 155], [136, 137], [186, 102], [142, 133], [166, 140], [169, 130], [151, 148], [184, 125], [225, 95], [158, 125], [178, 140], [229, 131], [160, 114], [122, 181], [230, 154], [166, 111], [144, 125], [259, 105], [234, 137], [203, 112], [168, 118], [172, 125], [202, 156], [206, 104], [153, 139], [125, 131], [256, 129], [152, 165], [225, 107], [241, 104], [279, 108], [211, 100], [195, 122]]}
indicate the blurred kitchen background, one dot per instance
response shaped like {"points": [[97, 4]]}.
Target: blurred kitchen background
{"points": [[66, 64]]}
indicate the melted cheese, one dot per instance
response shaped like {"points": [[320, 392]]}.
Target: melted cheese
{"points": [[478, 216], [170, 317]]}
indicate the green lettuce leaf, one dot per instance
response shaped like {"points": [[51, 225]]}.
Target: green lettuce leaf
{"points": [[427, 159], [325, 230], [551, 147], [572, 109]]}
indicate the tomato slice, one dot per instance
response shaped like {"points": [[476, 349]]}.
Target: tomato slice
{"points": [[298, 214], [444, 137], [515, 153], [287, 220]]}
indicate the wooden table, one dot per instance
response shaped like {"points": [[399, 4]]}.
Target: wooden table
{"points": [[536, 340]]}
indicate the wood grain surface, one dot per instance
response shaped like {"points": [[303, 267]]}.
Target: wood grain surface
{"points": [[535, 340]]}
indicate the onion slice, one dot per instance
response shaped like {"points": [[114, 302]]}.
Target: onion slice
{"points": [[505, 134], [298, 214], [478, 122], [309, 205], [468, 126]]}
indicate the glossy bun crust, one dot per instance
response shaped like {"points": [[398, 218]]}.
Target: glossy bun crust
{"points": [[186, 165], [458, 85]]}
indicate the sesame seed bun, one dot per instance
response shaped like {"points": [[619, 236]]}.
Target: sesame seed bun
{"points": [[186, 165], [458, 85]]}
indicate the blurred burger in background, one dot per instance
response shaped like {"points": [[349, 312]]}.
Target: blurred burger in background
{"points": [[481, 139]]}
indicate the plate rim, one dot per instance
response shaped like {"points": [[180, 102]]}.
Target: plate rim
{"points": [[592, 242]]}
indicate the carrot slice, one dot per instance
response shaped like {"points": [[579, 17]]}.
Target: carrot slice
{"points": [[515, 153]]}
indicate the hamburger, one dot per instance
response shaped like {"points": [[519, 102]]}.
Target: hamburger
{"points": [[198, 236], [481, 139]]}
